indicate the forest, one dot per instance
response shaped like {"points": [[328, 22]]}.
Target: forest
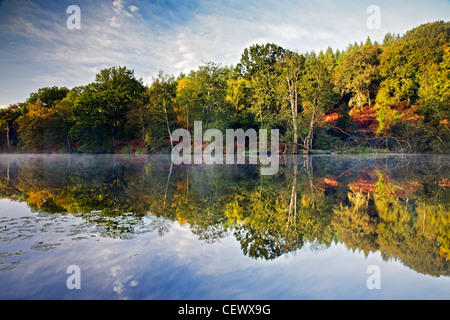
{"points": [[371, 97]]}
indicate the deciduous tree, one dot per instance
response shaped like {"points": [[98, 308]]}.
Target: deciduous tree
{"points": [[317, 93], [108, 99]]}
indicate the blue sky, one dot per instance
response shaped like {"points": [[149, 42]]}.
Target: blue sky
{"points": [[38, 50]]}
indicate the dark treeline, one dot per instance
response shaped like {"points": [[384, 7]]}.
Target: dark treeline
{"points": [[392, 96]]}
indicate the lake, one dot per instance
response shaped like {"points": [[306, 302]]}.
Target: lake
{"points": [[139, 227]]}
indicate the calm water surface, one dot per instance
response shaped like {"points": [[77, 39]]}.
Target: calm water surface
{"points": [[325, 227]]}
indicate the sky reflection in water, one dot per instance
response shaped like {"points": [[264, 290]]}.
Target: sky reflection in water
{"points": [[139, 228]]}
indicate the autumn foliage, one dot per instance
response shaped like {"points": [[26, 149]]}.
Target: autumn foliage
{"points": [[393, 96]]}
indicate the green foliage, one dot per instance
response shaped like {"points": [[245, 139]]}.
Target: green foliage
{"points": [[8, 117], [34, 127], [403, 84], [325, 141], [358, 74], [238, 93], [405, 61], [317, 93], [259, 64], [48, 96], [106, 102], [160, 96]]}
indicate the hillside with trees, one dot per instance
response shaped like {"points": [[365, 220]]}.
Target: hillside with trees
{"points": [[391, 96]]}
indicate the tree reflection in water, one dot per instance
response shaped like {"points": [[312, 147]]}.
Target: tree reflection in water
{"points": [[395, 205]]}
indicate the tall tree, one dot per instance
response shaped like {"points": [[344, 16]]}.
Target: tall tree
{"points": [[202, 96], [63, 113], [434, 103], [7, 118], [238, 92], [108, 100], [33, 127], [211, 79], [292, 70], [358, 74], [405, 60], [48, 96], [186, 97], [317, 94], [161, 95], [258, 64]]}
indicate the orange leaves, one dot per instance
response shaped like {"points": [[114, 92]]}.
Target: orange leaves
{"points": [[331, 182], [331, 118], [362, 185], [365, 118], [38, 110]]}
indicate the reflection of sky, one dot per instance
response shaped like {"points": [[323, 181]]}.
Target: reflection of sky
{"points": [[179, 266]]}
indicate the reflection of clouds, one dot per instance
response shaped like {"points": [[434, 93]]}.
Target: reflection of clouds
{"points": [[178, 266], [123, 282], [120, 285], [45, 232], [115, 270], [126, 257]]}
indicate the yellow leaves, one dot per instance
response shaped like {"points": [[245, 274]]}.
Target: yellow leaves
{"points": [[445, 253], [185, 88], [359, 200], [386, 117], [234, 212], [39, 197], [183, 83], [37, 110], [384, 189], [236, 92], [307, 201], [444, 244], [33, 125], [181, 220]]}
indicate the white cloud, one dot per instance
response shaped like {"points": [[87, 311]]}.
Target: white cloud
{"points": [[118, 7], [114, 23], [133, 8]]}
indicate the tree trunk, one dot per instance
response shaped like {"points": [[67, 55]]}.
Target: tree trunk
{"points": [[293, 204], [294, 107], [69, 147], [8, 142], [113, 133], [295, 151], [143, 129], [168, 126], [261, 116], [7, 170], [309, 138], [167, 187], [187, 119], [308, 165]]}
